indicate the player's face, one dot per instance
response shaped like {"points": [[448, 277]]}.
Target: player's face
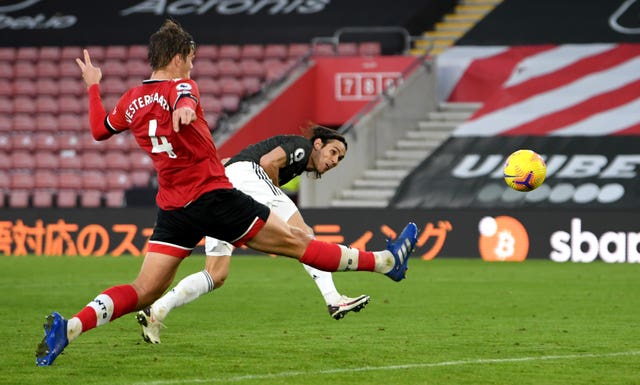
{"points": [[186, 66], [329, 156]]}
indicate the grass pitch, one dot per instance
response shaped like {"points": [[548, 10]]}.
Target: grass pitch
{"points": [[452, 321]]}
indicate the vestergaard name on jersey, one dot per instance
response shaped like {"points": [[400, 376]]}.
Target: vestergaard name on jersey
{"points": [[144, 101]]}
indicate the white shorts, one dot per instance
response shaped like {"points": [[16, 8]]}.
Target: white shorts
{"points": [[252, 180]]}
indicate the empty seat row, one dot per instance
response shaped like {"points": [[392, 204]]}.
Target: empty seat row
{"points": [[63, 198], [225, 51], [70, 160]]}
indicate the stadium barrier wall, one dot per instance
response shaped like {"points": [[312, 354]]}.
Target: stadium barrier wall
{"points": [[493, 235]]}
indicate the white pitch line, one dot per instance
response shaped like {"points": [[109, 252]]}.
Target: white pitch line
{"points": [[250, 377]]}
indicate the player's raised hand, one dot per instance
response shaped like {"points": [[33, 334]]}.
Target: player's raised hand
{"points": [[183, 116], [91, 75]]}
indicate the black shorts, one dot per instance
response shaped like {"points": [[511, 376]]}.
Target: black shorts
{"points": [[226, 214]]}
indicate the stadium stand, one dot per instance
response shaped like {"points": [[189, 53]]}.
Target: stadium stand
{"points": [[45, 112]]}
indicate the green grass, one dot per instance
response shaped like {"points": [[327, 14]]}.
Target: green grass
{"points": [[453, 321]]}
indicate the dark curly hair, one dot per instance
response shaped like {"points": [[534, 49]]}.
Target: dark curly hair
{"points": [[170, 40]]}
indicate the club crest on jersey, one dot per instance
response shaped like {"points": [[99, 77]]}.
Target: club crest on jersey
{"points": [[298, 154]]}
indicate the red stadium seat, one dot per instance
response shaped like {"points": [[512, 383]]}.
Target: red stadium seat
{"points": [[27, 53], [46, 160], [93, 180], [252, 85], [6, 105], [230, 103], [348, 49], [47, 123], [5, 161], [6, 125], [25, 87], [275, 51], [69, 69], [229, 51], [229, 68], [5, 144], [47, 86], [6, 87], [324, 49], [45, 179], [42, 198], [19, 198], [114, 198], [231, 86], [92, 160], [46, 104], [23, 141], [274, 69], [23, 122], [250, 67], [119, 52], [69, 180], [25, 69], [139, 160], [206, 51], [7, 54], [140, 178], [114, 68], [6, 70], [69, 141], [209, 86], [113, 85], [90, 198], [252, 51], [66, 198], [137, 52], [91, 145], [71, 86], [24, 104], [48, 69], [297, 50], [118, 180], [22, 160], [73, 104], [69, 160], [46, 141], [369, 49], [116, 160], [205, 68], [70, 53], [120, 143], [97, 53], [211, 104], [72, 122], [22, 180], [5, 184], [49, 53], [138, 68]]}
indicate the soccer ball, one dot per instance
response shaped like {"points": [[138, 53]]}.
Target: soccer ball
{"points": [[524, 170]]}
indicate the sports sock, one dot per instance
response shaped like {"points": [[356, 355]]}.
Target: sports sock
{"points": [[333, 257], [187, 290], [324, 281], [112, 303]]}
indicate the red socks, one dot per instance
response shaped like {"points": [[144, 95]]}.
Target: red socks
{"points": [[109, 305], [332, 257]]}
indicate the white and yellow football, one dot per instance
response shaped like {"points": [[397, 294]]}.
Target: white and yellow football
{"points": [[524, 170]]}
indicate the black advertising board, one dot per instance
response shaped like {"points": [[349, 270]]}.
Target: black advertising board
{"points": [[560, 235], [38, 22], [526, 22], [582, 173]]}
